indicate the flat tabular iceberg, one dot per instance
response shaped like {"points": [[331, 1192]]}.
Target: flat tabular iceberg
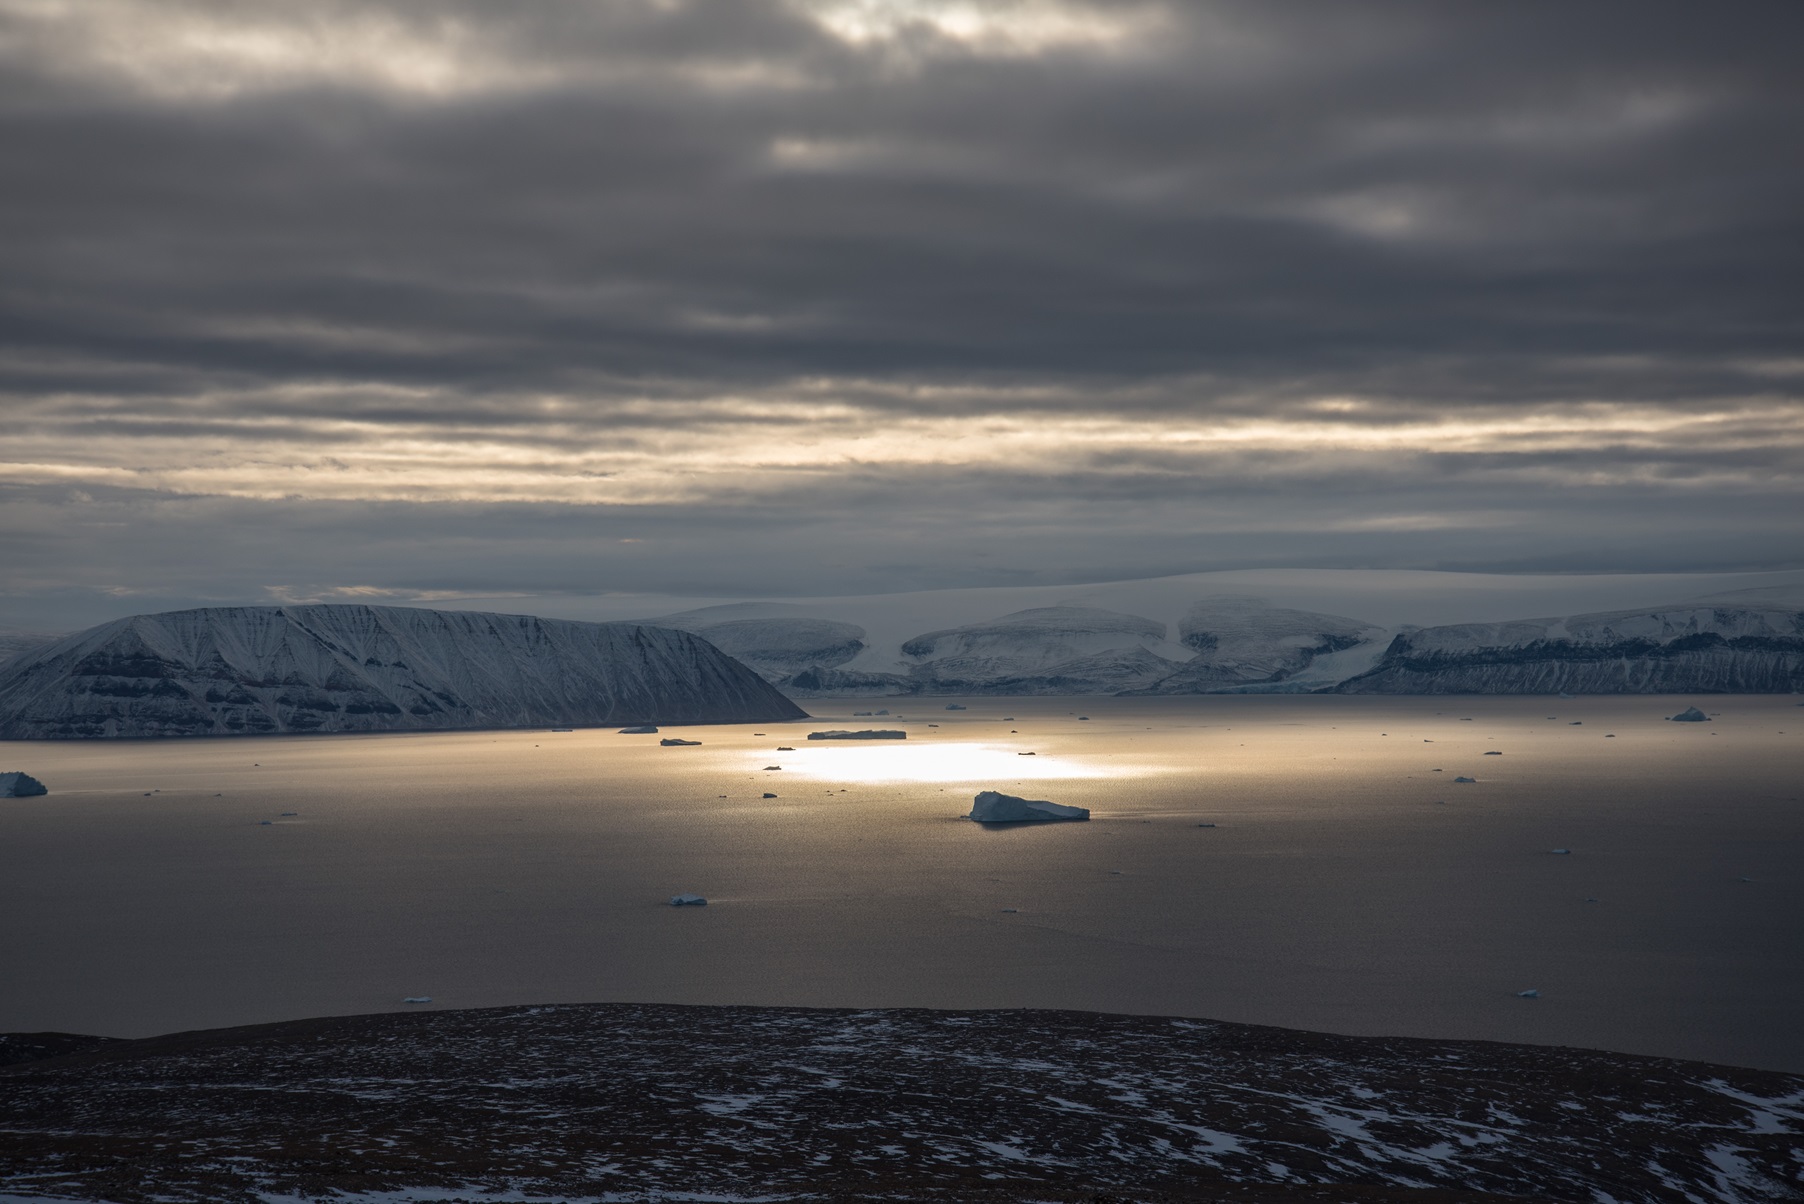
{"points": [[991, 807], [868, 734]]}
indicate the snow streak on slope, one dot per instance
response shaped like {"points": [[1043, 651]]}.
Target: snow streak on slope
{"points": [[231, 670]]}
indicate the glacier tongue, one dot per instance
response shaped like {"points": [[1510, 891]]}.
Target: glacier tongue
{"points": [[267, 669]]}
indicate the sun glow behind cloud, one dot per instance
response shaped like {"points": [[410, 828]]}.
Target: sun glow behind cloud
{"points": [[291, 444]]}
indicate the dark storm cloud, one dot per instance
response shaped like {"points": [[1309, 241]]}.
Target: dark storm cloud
{"points": [[479, 254]]}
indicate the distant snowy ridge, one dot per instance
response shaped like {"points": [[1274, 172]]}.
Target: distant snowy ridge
{"points": [[1726, 649], [267, 669], [1744, 642]]}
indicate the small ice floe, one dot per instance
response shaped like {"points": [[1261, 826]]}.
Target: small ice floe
{"points": [[1205, 825], [1576, 723], [769, 767], [1561, 852], [675, 742], [879, 712], [867, 734], [1589, 899], [417, 999], [1609, 735], [1008, 718], [563, 729], [861, 714], [688, 901], [266, 823], [1083, 718], [1689, 715], [1028, 754], [953, 706], [1745, 878], [289, 814], [1493, 753], [644, 729], [992, 807], [1531, 993], [14, 784], [784, 748], [1011, 911], [1463, 778], [768, 794], [933, 725]]}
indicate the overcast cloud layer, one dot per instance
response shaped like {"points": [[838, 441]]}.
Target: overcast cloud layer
{"points": [[846, 296]]}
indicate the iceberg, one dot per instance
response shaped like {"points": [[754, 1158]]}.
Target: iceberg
{"points": [[1689, 715], [14, 784], [867, 734], [688, 901], [642, 730], [673, 742], [991, 807], [1463, 778], [953, 706]]}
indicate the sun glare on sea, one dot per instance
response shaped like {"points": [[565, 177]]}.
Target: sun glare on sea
{"points": [[950, 762]]}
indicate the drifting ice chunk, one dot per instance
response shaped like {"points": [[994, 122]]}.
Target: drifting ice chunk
{"points": [[953, 706], [785, 748], [993, 808], [867, 734], [20, 785], [418, 999], [1493, 754], [1689, 715], [768, 794], [673, 742], [1562, 852], [688, 901], [1465, 779], [1531, 993], [643, 730]]}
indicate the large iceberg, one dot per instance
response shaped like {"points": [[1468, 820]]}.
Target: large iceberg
{"points": [[991, 807], [867, 734], [20, 785], [1689, 715]]}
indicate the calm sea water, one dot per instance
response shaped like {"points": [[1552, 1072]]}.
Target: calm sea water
{"points": [[1348, 884]]}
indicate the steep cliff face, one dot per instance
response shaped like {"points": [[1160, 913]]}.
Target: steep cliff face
{"points": [[240, 670], [1682, 649]]}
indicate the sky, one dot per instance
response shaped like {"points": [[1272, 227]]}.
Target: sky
{"points": [[406, 302]]}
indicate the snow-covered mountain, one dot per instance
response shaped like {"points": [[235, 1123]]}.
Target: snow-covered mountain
{"points": [[261, 669], [776, 639], [1748, 641], [1755, 648]]}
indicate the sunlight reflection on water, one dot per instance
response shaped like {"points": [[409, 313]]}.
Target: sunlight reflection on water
{"points": [[961, 762]]}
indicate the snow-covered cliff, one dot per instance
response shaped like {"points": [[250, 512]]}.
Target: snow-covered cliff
{"points": [[261, 669], [1750, 649]]}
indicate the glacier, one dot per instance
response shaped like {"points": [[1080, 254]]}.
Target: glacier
{"points": [[220, 671]]}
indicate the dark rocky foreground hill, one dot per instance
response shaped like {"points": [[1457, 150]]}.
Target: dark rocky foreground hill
{"points": [[265, 669], [626, 1102]]}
